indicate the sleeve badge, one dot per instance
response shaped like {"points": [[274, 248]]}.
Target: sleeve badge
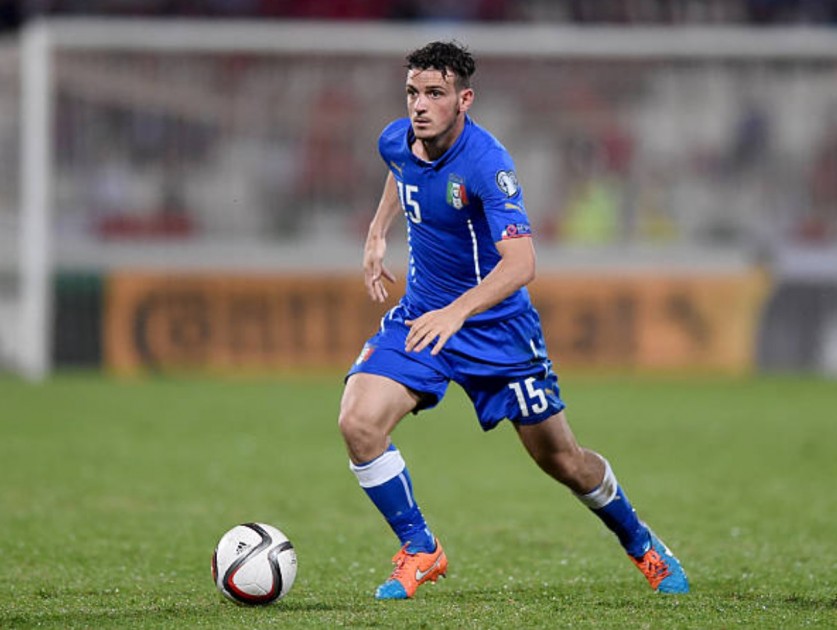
{"points": [[507, 182]]}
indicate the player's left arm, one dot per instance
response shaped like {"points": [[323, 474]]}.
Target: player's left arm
{"points": [[515, 270]]}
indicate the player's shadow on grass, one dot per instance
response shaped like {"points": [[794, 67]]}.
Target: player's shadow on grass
{"points": [[559, 595]]}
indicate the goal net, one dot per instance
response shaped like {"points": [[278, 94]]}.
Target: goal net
{"points": [[235, 147]]}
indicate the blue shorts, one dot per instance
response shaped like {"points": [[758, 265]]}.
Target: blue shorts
{"points": [[502, 366]]}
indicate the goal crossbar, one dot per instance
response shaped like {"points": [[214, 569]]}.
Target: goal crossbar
{"points": [[508, 40]]}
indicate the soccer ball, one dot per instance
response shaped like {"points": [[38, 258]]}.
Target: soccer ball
{"points": [[254, 564]]}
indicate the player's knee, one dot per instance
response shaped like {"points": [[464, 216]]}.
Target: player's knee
{"points": [[350, 423], [358, 428]]}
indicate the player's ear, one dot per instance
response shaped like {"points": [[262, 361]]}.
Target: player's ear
{"points": [[466, 99]]}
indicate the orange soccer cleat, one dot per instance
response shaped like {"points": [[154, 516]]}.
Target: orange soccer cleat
{"points": [[411, 571], [662, 569]]}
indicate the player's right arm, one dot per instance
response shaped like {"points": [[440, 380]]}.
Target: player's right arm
{"points": [[374, 270]]}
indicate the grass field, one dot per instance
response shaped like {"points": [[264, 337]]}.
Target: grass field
{"points": [[113, 494]]}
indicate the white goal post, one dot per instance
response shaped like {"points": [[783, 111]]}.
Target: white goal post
{"points": [[44, 42], [35, 230]]}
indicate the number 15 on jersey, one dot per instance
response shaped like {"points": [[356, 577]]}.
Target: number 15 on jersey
{"points": [[408, 202]]}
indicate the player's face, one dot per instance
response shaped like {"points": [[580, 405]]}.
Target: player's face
{"points": [[436, 108]]}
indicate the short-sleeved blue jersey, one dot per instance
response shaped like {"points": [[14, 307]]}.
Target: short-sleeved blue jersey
{"points": [[457, 208]]}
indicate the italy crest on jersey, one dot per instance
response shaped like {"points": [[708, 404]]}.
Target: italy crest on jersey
{"points": [[456, 195]]}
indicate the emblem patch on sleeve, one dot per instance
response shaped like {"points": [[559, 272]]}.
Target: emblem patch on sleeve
{"points": [[507, 182], [516, 230]]}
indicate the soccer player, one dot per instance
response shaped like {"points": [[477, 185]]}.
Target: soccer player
{"points": [[466, 317]]}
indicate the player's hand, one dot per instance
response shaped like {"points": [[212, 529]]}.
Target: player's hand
{"points": [[374, 270], [375, 285], [438, 326]]}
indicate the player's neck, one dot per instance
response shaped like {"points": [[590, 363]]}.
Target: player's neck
{"points": [[432, 149]]}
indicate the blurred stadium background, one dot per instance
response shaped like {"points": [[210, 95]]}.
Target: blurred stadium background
{"points": [[186, 185]]}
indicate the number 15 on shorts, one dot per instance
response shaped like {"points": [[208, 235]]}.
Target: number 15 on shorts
{"points": [[531, 398]]}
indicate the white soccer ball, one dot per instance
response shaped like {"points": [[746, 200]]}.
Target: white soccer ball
{"points": [[254, 564]]}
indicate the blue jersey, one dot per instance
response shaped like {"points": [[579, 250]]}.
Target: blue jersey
{"points": [[457, 208]]}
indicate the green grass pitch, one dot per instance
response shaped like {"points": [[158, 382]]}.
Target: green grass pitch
{"points": [[114, 493]]}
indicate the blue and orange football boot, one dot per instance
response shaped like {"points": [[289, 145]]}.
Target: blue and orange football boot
{"points": [[411, 571], [661, 568]]}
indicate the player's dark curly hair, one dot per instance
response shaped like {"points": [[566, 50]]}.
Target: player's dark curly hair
{"points": [[444, 57]]}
